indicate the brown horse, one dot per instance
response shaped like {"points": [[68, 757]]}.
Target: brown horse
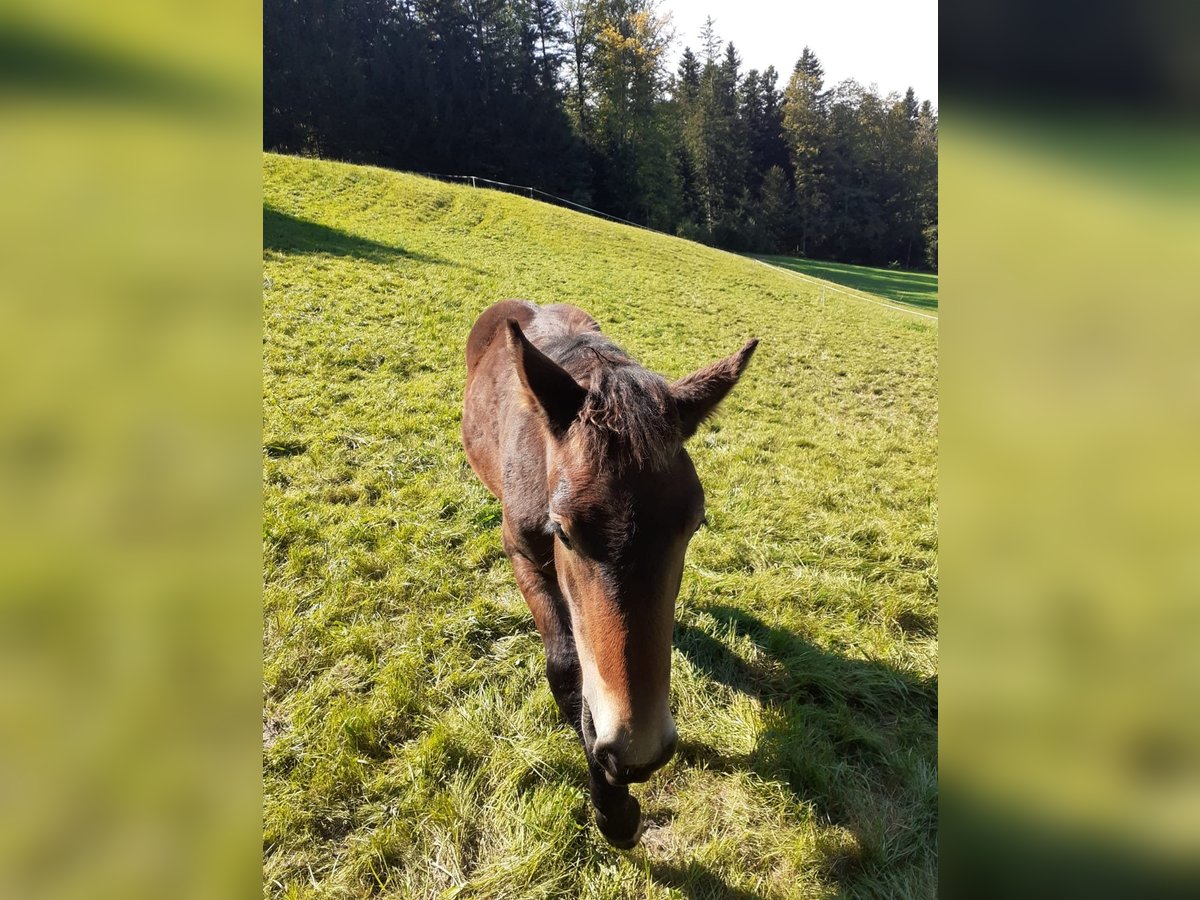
{"points": [[584, 449]]}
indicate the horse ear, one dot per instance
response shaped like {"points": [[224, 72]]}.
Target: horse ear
{"points": [[697, 395], [554, 391]]}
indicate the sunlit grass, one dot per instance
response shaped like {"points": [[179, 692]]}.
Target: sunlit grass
{"points": [[411, 744]]}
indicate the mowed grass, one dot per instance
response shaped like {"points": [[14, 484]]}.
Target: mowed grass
{"points": [[918, 289], [411, 747]]}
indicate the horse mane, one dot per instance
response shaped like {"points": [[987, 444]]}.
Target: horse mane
{"points": [[628, 417]]}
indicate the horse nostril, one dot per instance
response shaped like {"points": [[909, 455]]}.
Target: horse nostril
{"points": [[607, 758]]}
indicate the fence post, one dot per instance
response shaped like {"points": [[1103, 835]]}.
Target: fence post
{"points": [[473, 181]]}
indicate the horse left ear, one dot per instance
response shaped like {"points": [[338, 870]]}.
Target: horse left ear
{"points": [[697, 395], [549, 385]]}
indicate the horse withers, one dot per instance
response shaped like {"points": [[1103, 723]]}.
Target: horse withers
{"points": [[584, 449]]}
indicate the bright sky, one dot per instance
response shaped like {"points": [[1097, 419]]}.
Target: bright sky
{"points": [[894, 45]]}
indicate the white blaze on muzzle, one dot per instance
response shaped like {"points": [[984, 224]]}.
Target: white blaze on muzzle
{"points": [[638, 740]]}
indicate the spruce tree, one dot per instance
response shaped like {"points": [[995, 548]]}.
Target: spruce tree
{"points": [[710, 43], [689, 75], [804, 126], [775, 208], [750, 114]]}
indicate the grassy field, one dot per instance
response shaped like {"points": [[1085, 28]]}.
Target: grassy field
{"points": [[917, 289], [411, 747]]}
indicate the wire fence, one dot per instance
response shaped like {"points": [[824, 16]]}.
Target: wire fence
{"points": [[534, 193]]}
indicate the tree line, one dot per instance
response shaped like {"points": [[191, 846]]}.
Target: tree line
{"points": [[575, 97]]}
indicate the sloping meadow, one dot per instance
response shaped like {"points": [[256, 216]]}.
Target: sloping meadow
{"points": [[411, 746]]}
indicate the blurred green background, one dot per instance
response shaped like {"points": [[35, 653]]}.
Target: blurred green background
{"points": [[129, 474], [1069, 515]]}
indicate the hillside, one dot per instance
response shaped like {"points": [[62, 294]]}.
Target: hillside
{"points": [[411, 744]]}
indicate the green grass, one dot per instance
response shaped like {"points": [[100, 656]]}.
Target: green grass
{"points": [[411, 747], [917, 289]]}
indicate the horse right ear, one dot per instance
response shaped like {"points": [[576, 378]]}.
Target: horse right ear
{"points": [[547, 384], [697, 395]]}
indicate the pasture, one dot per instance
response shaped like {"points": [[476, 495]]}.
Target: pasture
{"points": [[411, 746], [916, 289]]}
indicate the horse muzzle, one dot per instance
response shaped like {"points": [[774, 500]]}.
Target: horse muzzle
{"points": [[617, 772]]}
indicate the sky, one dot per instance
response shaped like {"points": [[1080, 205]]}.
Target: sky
{"points": [[890, 44]]}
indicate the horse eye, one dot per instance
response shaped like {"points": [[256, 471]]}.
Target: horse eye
{"points": [[560, 534]]}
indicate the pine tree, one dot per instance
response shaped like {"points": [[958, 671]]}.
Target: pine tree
{"points": [[898, 176], [731, 71], [762, 118], [714, 142], [688, 76], [631, 132], [804, 125], [710, 43], [547, 26], [580, 25], [772, 148], [776, 208], [733, 149], [750, 114], [911, 110], [926, 180]]}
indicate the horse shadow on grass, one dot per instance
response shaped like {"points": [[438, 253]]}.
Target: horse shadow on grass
{"points": [[287, 234], [856, 739], [697, 883]]}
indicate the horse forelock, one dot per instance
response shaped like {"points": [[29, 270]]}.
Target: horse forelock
{"points": [[628, 419]]}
